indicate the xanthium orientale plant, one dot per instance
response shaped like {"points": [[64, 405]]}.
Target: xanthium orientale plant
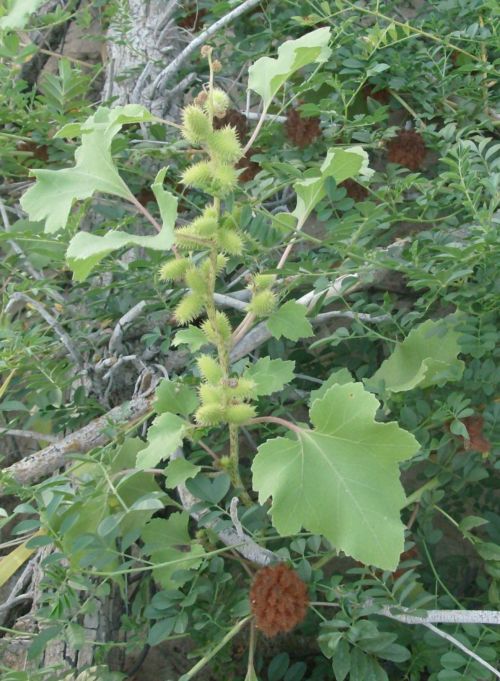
{"points": [[339, 477]]}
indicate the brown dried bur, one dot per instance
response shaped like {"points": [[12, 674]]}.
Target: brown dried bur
{"points": [[278, 599], [301, 131], [383, 96], [476, 442], [237, 120], [407, 149], [250, 168], [193, 21], [144, 196], [39, 151], [355, 191]]}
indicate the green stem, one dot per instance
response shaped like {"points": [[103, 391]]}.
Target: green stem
{"points": [[407, 107], [206, 658], [234, 472], [251, 651], [417, 494], [223, 354], [413, 29]]}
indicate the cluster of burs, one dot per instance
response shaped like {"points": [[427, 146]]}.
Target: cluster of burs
{"points": [[203, 247]]}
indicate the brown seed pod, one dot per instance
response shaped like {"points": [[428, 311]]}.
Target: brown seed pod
{"points": [[39, 151], [278, 599], [383, 95], [476, 442], [355, 191], [193, 21], [301, 131], [250, 168], [407, 149], [236, 120]]}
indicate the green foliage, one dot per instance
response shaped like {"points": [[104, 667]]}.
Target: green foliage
{"points": [[53, 194], [267, 75], [85, 251], [165, 435], [428, 356], [339, 164], [290, 321], [270, 375], [404, 262], [175, 397], [169, 545], [16, 12], [343, 463]]}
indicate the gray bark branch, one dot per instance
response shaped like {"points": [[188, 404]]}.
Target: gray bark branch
{"points": [[173, 68], [94, 434]]}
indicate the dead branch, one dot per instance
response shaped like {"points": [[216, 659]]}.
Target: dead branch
{"points": [[173, 68], [13, 305], [94, 434]]}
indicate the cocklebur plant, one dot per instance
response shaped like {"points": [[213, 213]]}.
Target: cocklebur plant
{"points": [[326, 479]]}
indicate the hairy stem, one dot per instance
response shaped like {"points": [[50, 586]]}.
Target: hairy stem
{"points": [[234, 467]]}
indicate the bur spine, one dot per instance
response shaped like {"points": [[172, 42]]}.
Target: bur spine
{"points": [[174, 269], [209, 368], [196, 126], [262, 303], [189, 308]]}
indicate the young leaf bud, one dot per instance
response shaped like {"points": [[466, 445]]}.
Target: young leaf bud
{"points": [[219, 101], [174, 269], [223, 145], [225, 462], [262, 303], [230, 241], [209, 368], [209, 414], [238, 414], [196, 126], [190, 307], [210, 394], [196, 281]]}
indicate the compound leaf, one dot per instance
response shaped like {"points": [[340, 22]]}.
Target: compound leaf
{"points": [[340, 479], [267, 75], [290, 321], [427, 356], [51, 197]]}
